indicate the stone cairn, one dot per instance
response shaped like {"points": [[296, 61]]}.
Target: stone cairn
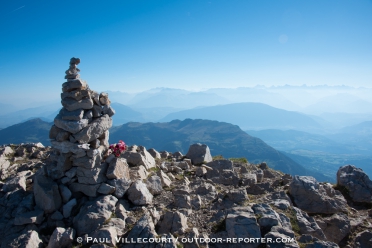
{"points": [[80, 136]]}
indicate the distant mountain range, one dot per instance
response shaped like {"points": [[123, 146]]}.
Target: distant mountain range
{"points": [[222, 138], [250, 115]]}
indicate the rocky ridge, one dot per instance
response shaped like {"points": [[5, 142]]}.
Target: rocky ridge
{"points": [[76, 194]]}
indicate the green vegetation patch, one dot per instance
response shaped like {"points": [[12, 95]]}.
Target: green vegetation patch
{"points": [[239, 160]]}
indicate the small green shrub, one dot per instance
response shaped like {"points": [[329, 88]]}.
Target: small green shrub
{"points": [[239, 160]]}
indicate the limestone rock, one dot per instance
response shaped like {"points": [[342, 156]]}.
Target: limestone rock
{"points": [[95, 175], [66, 147], [28, 238], [71, 104], [87, 189], [313, 197], [142, 157], [76, 94], [154, 185], [357, 183], [106, 189], [155, 154], [18, 182], [144, 228], [243, 224], [46, 194], [138, 194], [61, 238], [308, 225], [75, 115], [199, 153], [93, 214], [70, 126], [165, 181], [117, 169], [335, 227], [94, 130], [121, 186], [73, 85], [173, 222], [107, 233]]}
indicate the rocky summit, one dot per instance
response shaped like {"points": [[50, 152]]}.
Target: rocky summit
{"points": [[76, 194]]}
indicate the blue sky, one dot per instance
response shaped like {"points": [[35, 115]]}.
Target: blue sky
{"points": [[137, 45]]}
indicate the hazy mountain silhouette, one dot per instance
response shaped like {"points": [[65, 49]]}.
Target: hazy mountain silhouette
{"points": [[222, 138], [250, 116], [31, 131]]}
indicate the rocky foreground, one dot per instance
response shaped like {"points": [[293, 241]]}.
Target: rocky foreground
{"points": [[171, 196]]}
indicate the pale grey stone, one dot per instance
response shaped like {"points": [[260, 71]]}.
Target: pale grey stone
{"points": [[66, 146], [71, 104], [108, 110], [357, 182], [94, 214], [107, 233], [73, 85], [46, 194], [199, 153], [76, 94], [143, 229], [95, 175], [94, 130], [155, 154], [335, 227], [62, 237], [70, 126], [121, 186], [308, 225], [27, 238], [154, 185], [87, 189], [313, 197], [75, 115], [173, 222], [138, 194], [18, 182], [117, 169], [106, 189]]}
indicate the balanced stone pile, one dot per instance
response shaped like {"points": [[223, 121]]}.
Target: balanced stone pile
{"points": [[80, 135]]}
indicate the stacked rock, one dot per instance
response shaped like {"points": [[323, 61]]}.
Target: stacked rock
{"points": [[80, 135]]}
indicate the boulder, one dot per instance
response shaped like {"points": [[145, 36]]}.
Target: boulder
{"points": [[107, 233], [154, 153], [308, 225], [17, 182], [117, 169], [74, 85], [357, 183], [27, 238], [94, 130], [138, 194], [76, 94], [70, 126], [313, 197], [154, 185], [335, 227], [61, 238], [199, 153], [141, 157], [75, 115], [87, 189], [173, 222], [106, 189], [94, 214], [95, 175], [243, 224], [121, 186], [71, 104], [165, 181], [47, 196], [143, 229]]}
